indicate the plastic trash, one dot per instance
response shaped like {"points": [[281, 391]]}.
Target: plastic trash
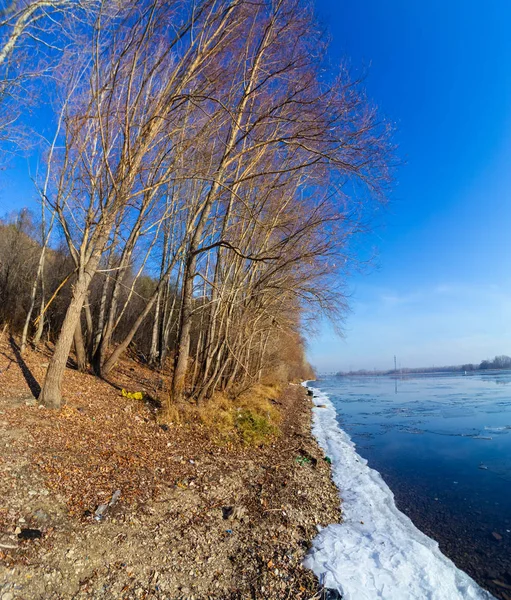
{"points": [[102, 509]]}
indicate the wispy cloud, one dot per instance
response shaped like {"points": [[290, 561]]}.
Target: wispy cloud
{"points": [[445, 323]]}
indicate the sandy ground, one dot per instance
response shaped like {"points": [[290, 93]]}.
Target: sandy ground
{"points": [[195, 518]]}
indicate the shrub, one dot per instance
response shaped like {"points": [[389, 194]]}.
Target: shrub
{"points": [[254, 429]]}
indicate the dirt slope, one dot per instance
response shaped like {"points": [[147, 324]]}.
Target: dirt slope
{"points": [[195, 519]]}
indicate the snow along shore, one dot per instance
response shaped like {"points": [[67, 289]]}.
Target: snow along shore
{"points": [[376, 552]]}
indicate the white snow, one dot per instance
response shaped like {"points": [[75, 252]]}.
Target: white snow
{"points": [[376, 552]]}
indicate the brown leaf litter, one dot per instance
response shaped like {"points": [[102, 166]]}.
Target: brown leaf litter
{"points": [[195, 519]]}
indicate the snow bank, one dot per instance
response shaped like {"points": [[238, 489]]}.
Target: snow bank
{"points": [[377, 552]]}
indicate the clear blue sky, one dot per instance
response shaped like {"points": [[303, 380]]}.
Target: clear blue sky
{"points": [[441, 71]]}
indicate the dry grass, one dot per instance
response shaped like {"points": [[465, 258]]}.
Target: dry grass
{"points": [[251, 418], [258, 416]]}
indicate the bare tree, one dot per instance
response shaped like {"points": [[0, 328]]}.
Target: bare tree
{"points": [[207, 181], [276, 210], [33, 35], [122, 130]]}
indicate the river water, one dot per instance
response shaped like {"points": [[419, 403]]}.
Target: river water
{"points": [[442, 443]]}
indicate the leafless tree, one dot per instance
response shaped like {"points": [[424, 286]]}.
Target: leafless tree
{"points": [[207, 180], [276, 211], [119, 139]]}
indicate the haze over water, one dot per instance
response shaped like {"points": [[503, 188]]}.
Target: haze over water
{"points": [[443, 445]]}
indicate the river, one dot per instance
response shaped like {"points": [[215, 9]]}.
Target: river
{"points": [[442, 443]]}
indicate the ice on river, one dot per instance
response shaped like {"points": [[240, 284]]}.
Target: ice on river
{"points": [[376, 552]]}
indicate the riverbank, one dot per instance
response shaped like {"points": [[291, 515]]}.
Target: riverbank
{"points": [[195, 518]]}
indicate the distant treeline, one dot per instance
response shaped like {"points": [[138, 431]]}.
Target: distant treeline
{"points": [[499, 362]]}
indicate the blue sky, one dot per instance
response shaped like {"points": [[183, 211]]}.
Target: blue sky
{"points": [[441, 291]]}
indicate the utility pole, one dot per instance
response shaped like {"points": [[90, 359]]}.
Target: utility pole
{"points": [[395, 364]]}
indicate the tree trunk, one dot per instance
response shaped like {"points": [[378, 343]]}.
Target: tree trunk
{"points": [[81, 359], [89, 327], [106, 337], [101, 317], [40, 325], [26, 325], [154, 352], [196, 360], [51, 395], [39, 277], [109, 364], [166, 329], [183, 347]]}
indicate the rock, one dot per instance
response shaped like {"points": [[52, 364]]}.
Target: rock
{"points": [[41, 516], [30, 534], [8, 596], [227, 511], [331, 595]]}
